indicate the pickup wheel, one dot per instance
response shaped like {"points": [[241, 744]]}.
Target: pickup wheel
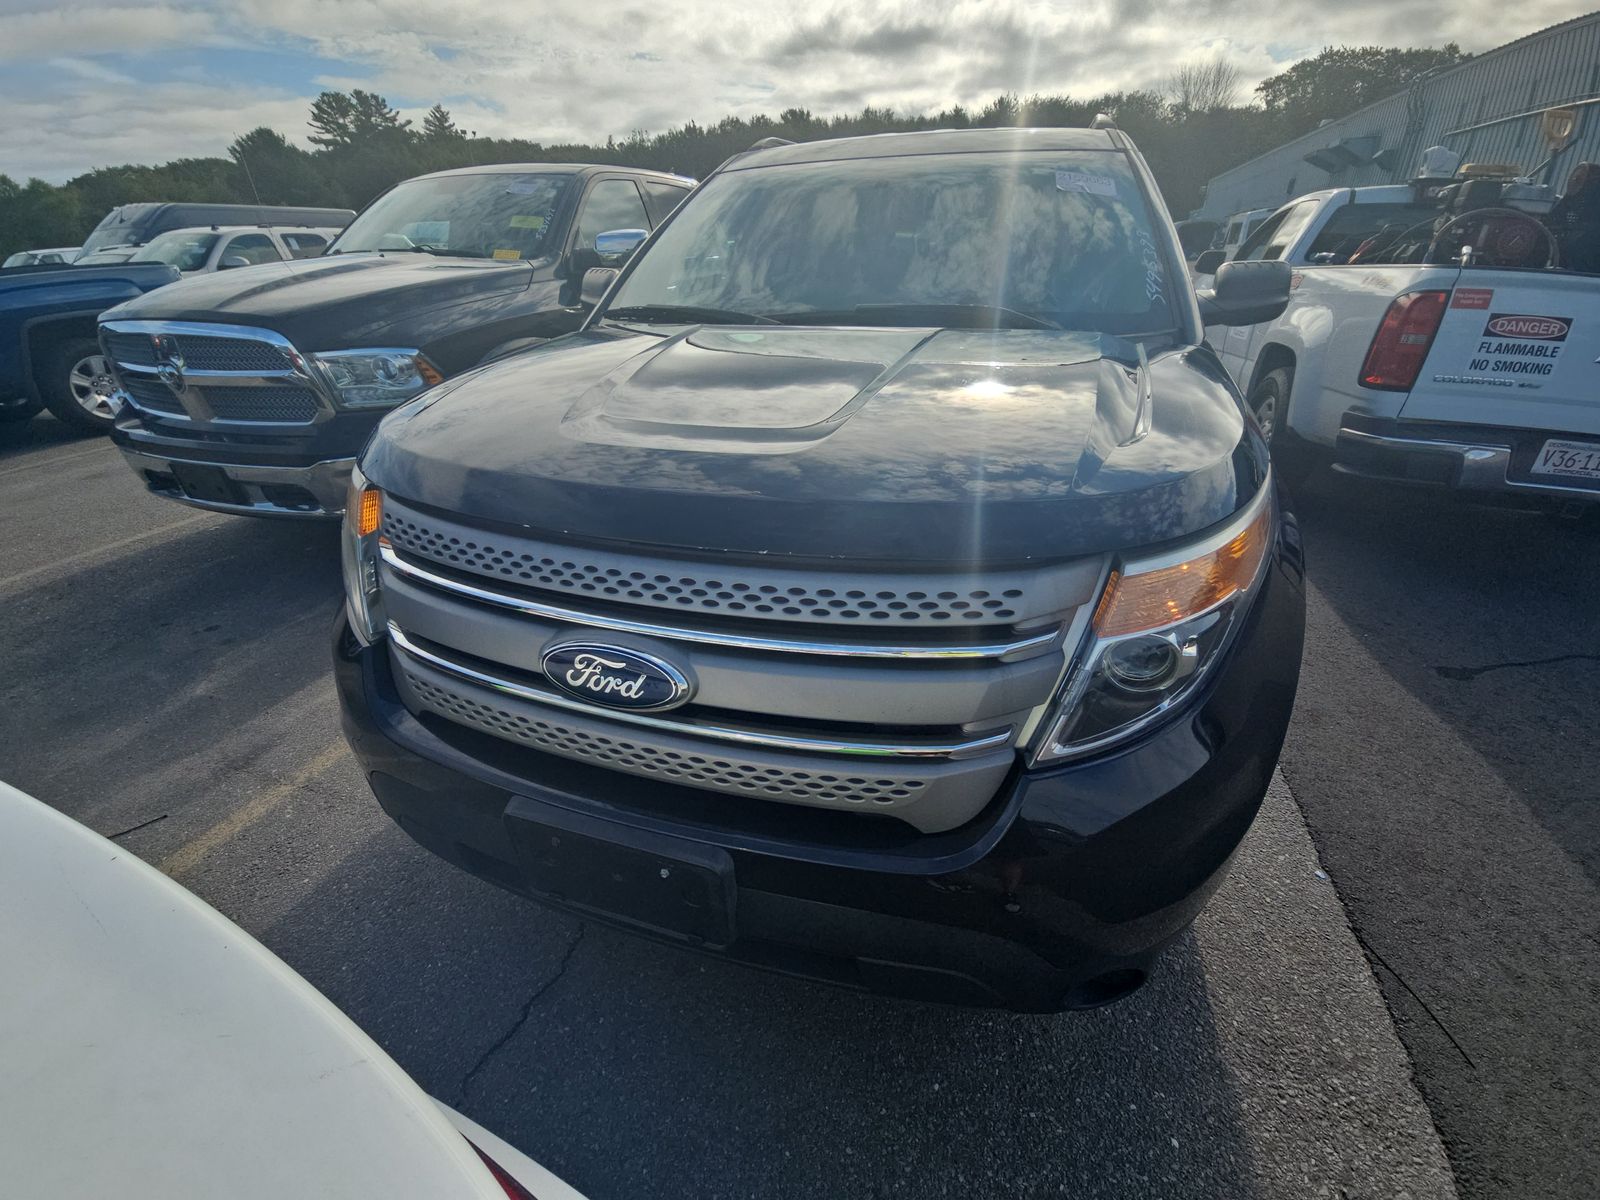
{"points": [[1269, 401], [76, 383], [14, 412]]}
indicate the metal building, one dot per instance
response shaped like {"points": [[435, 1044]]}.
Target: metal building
{"points": [[1489, 110]]}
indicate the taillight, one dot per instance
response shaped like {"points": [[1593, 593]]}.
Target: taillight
{"points": [[513, 1189], [1401, 346]]}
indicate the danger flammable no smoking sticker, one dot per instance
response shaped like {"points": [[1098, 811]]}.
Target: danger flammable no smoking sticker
{"points": [[1520, 344]]}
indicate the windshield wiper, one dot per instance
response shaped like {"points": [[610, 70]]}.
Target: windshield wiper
{"points": [[686, 314]]}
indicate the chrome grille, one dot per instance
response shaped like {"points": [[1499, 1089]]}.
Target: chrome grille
{"points": [[214, 375], [919, 722]]}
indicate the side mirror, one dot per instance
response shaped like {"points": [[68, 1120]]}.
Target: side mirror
{"points": [[615, 245], [1208, 262], [231, 261], [1246, 293], [595, 282]]}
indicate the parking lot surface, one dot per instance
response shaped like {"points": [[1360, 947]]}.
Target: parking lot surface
{"points": [[167, 683]]}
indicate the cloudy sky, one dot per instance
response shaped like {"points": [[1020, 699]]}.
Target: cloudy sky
{"points": [[85, 85]]}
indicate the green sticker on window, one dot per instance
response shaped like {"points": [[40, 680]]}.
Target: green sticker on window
{"points": [[527, 222]]}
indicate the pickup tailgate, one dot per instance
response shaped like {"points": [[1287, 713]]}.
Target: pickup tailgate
{"points": [[1515, 349]]}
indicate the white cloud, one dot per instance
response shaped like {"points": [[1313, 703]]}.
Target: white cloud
{"points": [[564, 70]]}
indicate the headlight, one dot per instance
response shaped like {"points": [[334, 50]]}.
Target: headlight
{"points": [[363, 518], [376, 378], [1160, 624]]}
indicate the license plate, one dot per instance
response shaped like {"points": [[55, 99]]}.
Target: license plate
{"points": [[665, 884], [1579, 460], [207, 483]]}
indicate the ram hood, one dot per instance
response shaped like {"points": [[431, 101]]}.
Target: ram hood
{"points": [[889, 445], [343, 296]]}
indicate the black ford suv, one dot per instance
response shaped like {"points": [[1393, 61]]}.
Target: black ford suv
{"points": [[252, 390], [886, 585]]}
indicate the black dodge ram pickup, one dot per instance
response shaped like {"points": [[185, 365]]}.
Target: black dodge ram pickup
{"points": [[885, 586], [252, 390]]}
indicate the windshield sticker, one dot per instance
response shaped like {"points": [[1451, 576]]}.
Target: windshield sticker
{"points": [[1090, 185], [524, 187], [1153, 284], [508, 255], [527, 222]]}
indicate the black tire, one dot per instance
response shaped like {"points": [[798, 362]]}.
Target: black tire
{"points": [[1292, 458], [75, 381], [14, 412]]}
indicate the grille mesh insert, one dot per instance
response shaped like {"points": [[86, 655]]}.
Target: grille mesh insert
{"points": [[780, 595], [639, 757], [295, 404], [200, 352], [154, 395]]}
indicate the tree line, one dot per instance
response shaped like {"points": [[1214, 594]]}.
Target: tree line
{"points": [[1190, 129]]}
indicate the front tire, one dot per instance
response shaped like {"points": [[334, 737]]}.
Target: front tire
{"points": [[1292, 458], [77, 385]]}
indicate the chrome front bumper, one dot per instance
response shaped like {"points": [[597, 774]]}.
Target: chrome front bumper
{"points": [[1484, 466], [265, 491]]}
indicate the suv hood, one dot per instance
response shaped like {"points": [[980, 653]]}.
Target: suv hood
{"points": [[339, 296], [892, 445]]}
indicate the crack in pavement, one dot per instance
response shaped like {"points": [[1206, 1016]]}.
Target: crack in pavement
{"points": [[522, 1018], [1412, 992], [1469, 673]]}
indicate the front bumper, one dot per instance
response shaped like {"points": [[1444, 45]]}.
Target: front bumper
{"points": [[1471, 458], [314, 490], [1059, 895]]}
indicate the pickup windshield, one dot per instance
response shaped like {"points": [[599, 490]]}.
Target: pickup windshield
{"points": [[1041, 240], [184, 249], [493, 215]]}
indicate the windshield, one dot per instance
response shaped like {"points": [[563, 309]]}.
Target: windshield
{"points": [[499, 216], [1053, 239], [185, 249]]}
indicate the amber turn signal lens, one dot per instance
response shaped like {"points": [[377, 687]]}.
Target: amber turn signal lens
{"points": [[370, 512], [1168, 594], [429, 372]]}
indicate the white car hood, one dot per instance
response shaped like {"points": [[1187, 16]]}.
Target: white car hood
{"points": [[151, 1049]]}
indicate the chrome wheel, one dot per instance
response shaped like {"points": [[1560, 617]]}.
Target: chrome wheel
{"points": [[94, 388], [1266, 409]]}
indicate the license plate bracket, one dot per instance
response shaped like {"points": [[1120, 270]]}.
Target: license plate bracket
{"points": [[207, 483], [1568, 459], [665, 885]]}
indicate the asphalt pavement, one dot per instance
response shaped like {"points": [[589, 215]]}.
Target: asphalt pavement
{"points": [[166, 681]]}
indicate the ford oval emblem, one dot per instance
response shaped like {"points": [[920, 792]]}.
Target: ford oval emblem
{"points": [[615, 677]]}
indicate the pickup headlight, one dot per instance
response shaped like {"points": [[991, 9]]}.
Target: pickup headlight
{"points": [[363, 517], [379, 378], [1160, 624]]}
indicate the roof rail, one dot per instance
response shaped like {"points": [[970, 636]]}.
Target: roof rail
{"points": [[767, 143], [1102, 121]]}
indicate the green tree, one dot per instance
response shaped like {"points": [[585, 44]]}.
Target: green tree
{"points": [[1344, 78], [438, 127], [272, 171], [333, 120]]}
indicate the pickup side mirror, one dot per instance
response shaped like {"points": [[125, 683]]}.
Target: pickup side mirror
{"points": [[231, 261], [616, 245], [1209, 261], [1246, 293], [595, 282]]}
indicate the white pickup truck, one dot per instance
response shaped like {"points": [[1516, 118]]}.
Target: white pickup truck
{"points": [[1411, 353]]}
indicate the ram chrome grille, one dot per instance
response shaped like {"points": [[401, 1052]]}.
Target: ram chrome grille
{"points": [[915, 716], [223, 376]]}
